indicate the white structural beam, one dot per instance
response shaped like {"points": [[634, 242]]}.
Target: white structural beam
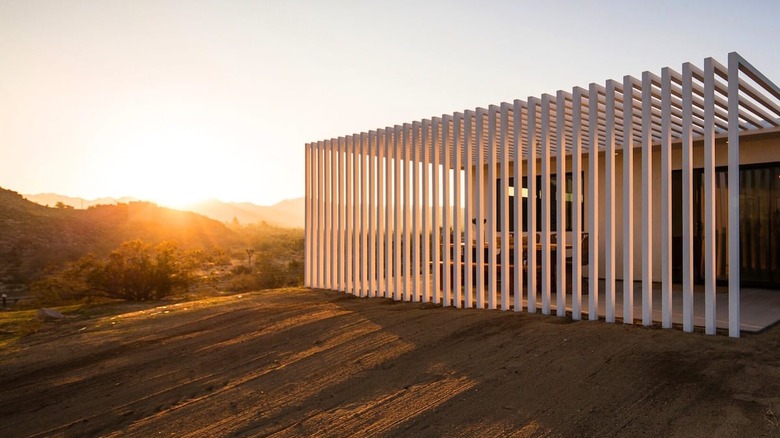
{"points": [[687, 196], [517, 160], [733, 184], [610, 204], [381, 203], [576, 222], [426, 211], [666, 200], [397, 158], [503, 191], [436, 145], [709, 198], [490, 206], [545, 194], [363, 215], [560, 205], [446, 234], [457, 216], [533, 190], [372, 215], [415, 166], [468, 209], [479, 210], [388, 221], [592, 205], [628, 200], [406, 240], [308, 228], [647, 201]]}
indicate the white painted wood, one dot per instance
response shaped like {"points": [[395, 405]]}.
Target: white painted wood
{"points": [[446, 240], [628, 200], [372, 212], [687, 196], [609, 203], [506, 248], [406, 221], [457, 217], [307, 218], [436, 208], [490, 206], [733, 182], [533, 194], [363, 215], [389, 213], [709, 198], [592, 203], [416, 230], [426, 211], [479, 210], [382, 140], [647, 201], [545, 193], [349, 216], [468, 209], [397, 158], [576, 223], [560, 197], [517, 167], [666, 198]]}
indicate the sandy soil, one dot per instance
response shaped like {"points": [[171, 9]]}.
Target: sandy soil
{"points": [[317, 363]]}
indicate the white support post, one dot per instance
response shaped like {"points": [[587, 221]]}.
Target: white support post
{"points": [[545, 136], [506, 247], [468, 210], [341, 247], [491, 207], [327, 223], [416, 158], [628, 200], [517, 168], [733, 184], [381, 207], [407, 220], [389, 216], [609, 202], [576, 220], [436, 206], [355, 146], [666, 198], [320, 213], [363, 215], [479, 195], [372, 146], [560, 204], [446, 235], [647, 201], [349, 225], [709, 198], [307, 218], [397, 158], [457, 215], [593, 202], [533, 195], [426, 211], [687, 196]]}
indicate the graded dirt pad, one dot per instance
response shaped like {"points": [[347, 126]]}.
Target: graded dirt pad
{"points": [[315, 363]]}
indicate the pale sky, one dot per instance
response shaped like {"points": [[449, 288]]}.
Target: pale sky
{"points": [[174, 101]]}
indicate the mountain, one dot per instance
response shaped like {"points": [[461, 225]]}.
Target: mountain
{"points": [[33, 236], [287, 213]]}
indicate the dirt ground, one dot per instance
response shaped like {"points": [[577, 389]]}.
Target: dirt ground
{"points": [[317, 363]]}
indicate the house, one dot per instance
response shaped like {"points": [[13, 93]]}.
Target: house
{"points": [[670, 179]]}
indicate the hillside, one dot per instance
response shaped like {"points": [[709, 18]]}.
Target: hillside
{"points": [[33, 237]]}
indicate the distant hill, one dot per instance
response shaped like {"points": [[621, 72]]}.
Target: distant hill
{"points": [[287, 213], [33, 236]]}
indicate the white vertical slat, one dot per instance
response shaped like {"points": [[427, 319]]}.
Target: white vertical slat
{"points": [[490, 205], [307, 218], [468, 210], [320, 213], [479, 196], [407, 202], [446, 211], [341, 248], [506, 248], [687, 196], [733, 183], [363, 215], [709, 197], [389, 216], [372, 211], [416, 203], [397, 158], [355, 146], [576, 219], [593, 203], [517, 170], [647, 201], [609, 202], [332, 169], [327, 223], [381, 207], [560, 198], [349, 222], [533, 195], [436, 206], [426, 211], [666, 198], [628, 200], [545, 136], [457, 213]]}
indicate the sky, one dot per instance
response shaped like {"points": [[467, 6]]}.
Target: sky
{"points": [[178, 101]]}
